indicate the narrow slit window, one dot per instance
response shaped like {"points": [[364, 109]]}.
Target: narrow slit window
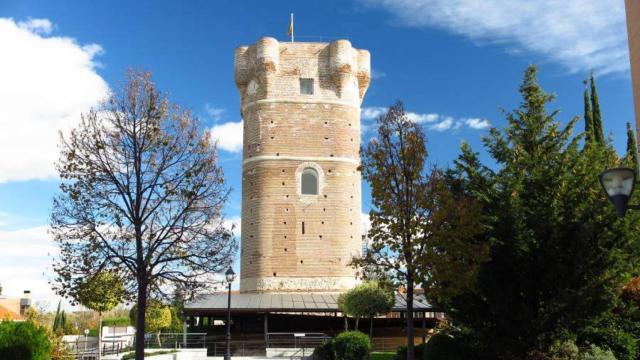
{"points": [[309, 182], [306, 86], [303, 228]]}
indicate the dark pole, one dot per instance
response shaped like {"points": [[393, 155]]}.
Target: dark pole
{"points": [[227, 356]]}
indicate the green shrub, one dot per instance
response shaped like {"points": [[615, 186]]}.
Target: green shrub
{"points": [[23, 341], [117, 321], [401, 353], [596, 353], [444, 347], [382, 356], [567, 350], [612, 334], [324, 351], [352, 345]]}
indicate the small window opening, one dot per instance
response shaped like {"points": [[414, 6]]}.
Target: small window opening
{"points": [[309, 182], [306, 86], [303, 227]]}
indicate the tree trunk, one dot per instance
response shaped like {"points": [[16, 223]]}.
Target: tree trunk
{"points": [[158, 337], [140, 318], [357, 322], [99, 335], [346, 323], [371, 327], [410, 332], [410, 348]]}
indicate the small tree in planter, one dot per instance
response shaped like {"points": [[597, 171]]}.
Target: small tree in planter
{"points": [[101, 293], [368, 299], [157, 317]]}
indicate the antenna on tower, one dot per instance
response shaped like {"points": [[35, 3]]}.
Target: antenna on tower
{"points": [[290, 32]]}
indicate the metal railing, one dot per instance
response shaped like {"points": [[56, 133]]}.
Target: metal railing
{"points": [[390, 343], [175, 340], [238, 348], [82, 349], [295, 340]]}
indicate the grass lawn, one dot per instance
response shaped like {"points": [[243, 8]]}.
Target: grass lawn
{"points": [[382, 355]]}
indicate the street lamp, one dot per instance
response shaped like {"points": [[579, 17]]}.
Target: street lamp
{"points": [[86, 332], [618, 184], [229, 275]]}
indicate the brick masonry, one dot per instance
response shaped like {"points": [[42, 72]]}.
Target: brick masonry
{"points": [[633, 30], [286, 132]]}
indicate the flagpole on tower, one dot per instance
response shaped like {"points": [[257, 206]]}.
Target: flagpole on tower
{"points": [[291, 27]]}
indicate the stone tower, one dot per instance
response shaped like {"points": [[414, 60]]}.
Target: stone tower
{"points": [[301, 195]]}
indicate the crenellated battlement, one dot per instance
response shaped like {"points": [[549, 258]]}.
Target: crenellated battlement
{"points": [[272, 70]]}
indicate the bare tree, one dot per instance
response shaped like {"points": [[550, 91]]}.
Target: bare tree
{"points": [[141, 195]]}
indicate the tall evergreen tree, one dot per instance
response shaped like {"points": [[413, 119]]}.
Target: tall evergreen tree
{"points": [[588, 115], [57, 320], [631, 156], [598, 131], [558, 254]]}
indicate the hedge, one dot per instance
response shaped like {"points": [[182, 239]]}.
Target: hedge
{"points": [[23, 341], [117, 321]]}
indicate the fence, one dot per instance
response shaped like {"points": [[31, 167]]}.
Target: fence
{"points": [[87, 349], [295, 340], [175, 340], [391, 344]]}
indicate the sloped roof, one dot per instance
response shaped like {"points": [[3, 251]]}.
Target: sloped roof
{"points": [[289, 302], [8, 314]]}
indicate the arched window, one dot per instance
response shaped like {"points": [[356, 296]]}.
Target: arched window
{"points": [[309, 182]]}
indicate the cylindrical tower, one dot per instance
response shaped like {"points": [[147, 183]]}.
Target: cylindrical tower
{"points": [[301, 195]]}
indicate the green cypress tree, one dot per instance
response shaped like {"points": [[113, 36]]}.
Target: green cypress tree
{"points": [[597, 115], [631, 157], [558, 254], [588, 115], [57, 320]]}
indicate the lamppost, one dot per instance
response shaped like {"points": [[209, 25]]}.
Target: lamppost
{"points": [[229, 275], [86, 332], [618, 184]]}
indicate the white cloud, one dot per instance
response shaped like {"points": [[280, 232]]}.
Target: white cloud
{"points": [[422, 118], [477, 123], [46, 83], [373, 112], [228, 136], [438, 122], [234, 223], [581, 35], [25, 262], [376, 74], [215, 113], [39, 26], [443, 125], [365, 222]]}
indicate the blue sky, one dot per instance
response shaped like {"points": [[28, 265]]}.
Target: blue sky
{"points": [[454, 63]]}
